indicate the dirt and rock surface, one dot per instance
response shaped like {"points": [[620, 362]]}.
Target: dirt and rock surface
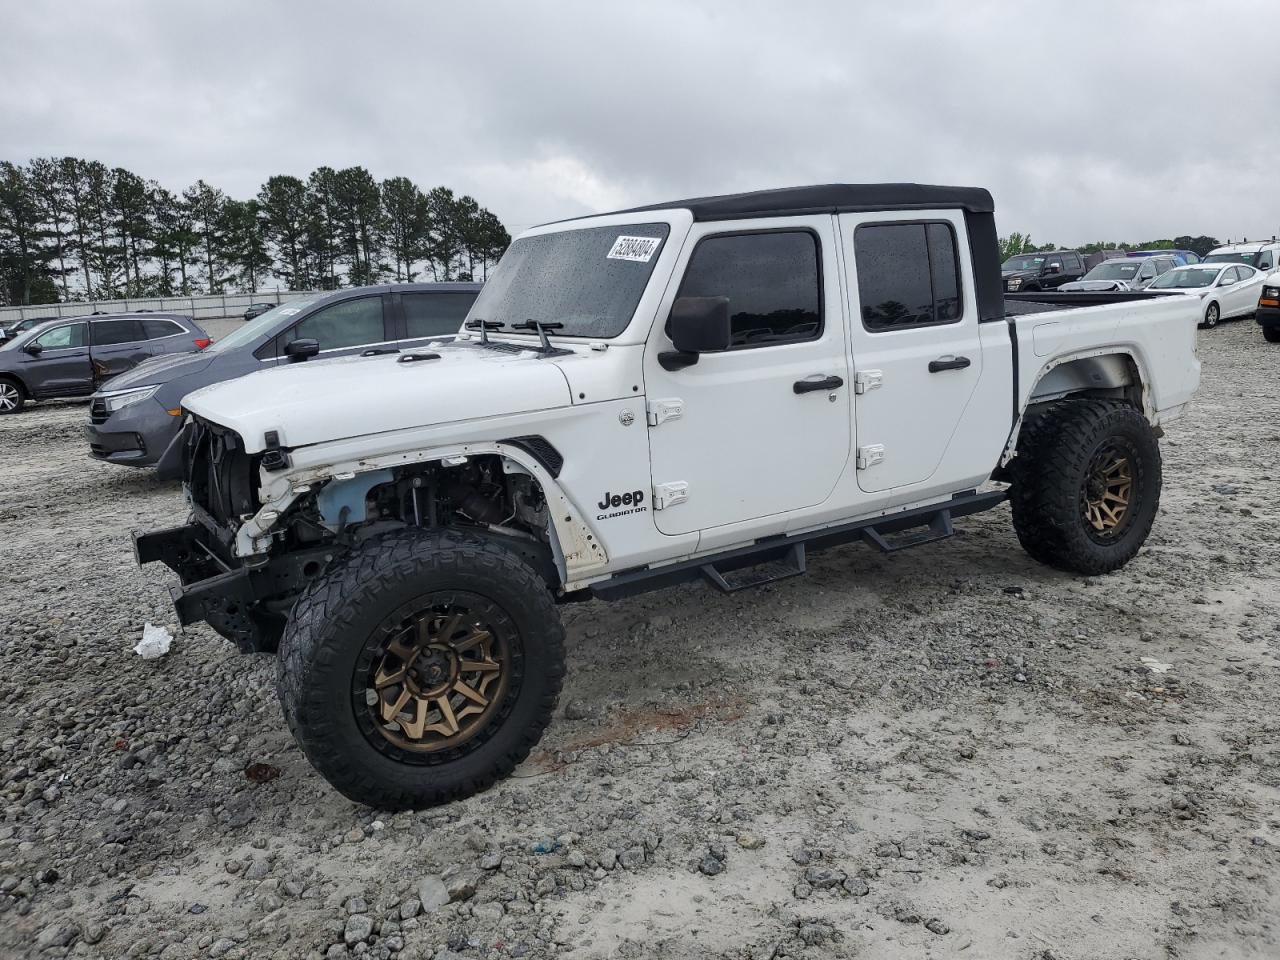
{"points": [[951, 752]]}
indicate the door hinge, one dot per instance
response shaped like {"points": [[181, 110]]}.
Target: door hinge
{"points": [[864, 381], [660, 411], [870, 455], [669, 494]]}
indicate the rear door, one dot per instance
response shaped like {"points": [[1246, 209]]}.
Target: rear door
{"points": [[917, 353], [62, 367], [116, 345]]}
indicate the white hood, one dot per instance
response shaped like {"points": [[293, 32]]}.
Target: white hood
{"points": [[322, 400]]}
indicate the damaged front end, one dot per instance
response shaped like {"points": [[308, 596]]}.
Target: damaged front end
{"points": [[242, 562], [246, 600]]}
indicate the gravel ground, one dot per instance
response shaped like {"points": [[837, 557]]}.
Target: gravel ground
{"points": [[947, 752]]}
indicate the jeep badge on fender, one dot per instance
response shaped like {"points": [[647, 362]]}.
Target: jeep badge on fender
{"points": [[408, 559]]}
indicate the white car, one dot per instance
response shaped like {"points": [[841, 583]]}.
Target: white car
{"points": [[1122, 273], [1263, 255], [1227, 289]]}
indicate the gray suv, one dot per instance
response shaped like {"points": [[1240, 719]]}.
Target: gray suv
{"points": [[135, 418], [71, 357]]}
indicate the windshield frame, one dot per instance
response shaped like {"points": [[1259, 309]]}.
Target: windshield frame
{"points": [[264, 325], [640, 323], [1214, 269], [1040, 260], [1247, 258], [1134, 263]]}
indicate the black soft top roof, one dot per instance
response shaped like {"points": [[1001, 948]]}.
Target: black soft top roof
{"points": [[830, 198]]}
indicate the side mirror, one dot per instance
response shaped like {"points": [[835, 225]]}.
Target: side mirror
{"points": [[696, 325], [299, 350], [34, 349]]}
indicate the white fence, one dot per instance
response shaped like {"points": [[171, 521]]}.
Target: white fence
{"points": [[213, 307]]}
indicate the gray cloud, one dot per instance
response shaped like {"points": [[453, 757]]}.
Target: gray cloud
{"points": [[1123, 121]]}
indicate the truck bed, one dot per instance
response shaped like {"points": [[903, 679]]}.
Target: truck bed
{"points": [[1157, 330]]}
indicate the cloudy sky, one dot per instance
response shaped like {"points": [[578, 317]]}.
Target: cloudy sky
{"points": [[1087, 120]]}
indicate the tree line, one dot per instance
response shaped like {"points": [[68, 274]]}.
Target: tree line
{"points": [[73, 229], [1017, 243]]}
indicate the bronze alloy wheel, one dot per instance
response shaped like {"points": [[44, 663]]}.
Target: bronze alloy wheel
{"points": [[438, 675], [1107, 493]]}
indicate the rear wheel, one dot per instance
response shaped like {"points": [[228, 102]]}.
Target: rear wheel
{"points": [[1086, 485], [421, 669], [1272, 334], [1212, 315], [12, 399]]}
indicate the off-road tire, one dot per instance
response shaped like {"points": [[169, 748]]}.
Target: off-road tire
{"points": [[338, 615], [1272, 334], [1212, 315], [12, 397], [1050, 475]]}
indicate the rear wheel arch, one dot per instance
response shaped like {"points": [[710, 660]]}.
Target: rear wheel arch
{"points": [[1111, 374]]}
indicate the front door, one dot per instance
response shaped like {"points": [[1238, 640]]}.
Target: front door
{"points": [[762, 428], [61, 367], [913, 327]]}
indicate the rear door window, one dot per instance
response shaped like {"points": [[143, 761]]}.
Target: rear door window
{"points": [[908, 275], [349, 323], [435, 314], [111, 333]]}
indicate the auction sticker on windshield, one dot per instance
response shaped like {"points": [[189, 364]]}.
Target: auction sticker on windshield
{"points": [[639, 249]]}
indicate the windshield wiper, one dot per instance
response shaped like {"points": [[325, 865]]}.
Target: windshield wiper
{"points": [[542, 329], [484, 326]]}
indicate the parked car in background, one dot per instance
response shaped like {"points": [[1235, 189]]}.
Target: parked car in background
{"points": [[1264, 255], [1268, 315], [1227, 289], [134, 418], [69, 358], [1041, 271], [1121, 274], [22, 326], [1183, 257], [258, 309], [1091, 260]]}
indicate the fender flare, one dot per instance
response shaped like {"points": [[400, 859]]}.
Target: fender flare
{"points": [[1131, 358]]}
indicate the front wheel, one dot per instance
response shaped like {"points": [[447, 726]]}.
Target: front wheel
{"points": [[421, 669], [1211, 316], [1272, 334], [11, 397], [1086, 485]]}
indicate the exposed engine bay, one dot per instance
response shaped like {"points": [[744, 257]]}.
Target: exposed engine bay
{"points": [[249, 599]]}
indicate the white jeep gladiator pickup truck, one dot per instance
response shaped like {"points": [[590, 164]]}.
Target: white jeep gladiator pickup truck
{"points": [[707, 388]]}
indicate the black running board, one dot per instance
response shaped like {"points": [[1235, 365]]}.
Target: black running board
{"points": [[733, 579], [780, 557], [939, 528]]}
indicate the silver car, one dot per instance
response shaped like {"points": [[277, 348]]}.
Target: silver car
{"points": [[1122, 273]]}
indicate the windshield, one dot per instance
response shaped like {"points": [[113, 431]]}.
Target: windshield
{"points": [[1188, 278], [1247, 258], [259, 325], [590, 280], [1114, 270], [1022, 263]]}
